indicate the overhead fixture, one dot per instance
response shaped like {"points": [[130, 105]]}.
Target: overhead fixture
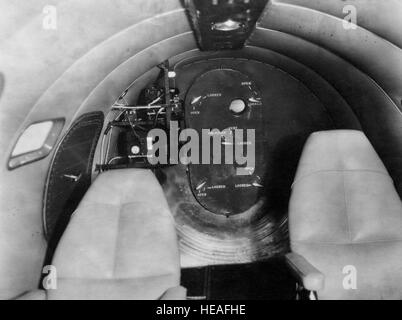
{"points": [[228, 25], [223, 24]]}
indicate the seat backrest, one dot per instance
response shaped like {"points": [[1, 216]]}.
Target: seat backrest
{"points": [[345, 217], [120, 242]]}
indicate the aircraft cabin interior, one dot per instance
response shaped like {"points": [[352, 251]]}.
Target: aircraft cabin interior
{"points": [[201, 149]]}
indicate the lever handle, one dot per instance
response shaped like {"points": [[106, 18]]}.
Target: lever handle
{"points": [[72, 177]]}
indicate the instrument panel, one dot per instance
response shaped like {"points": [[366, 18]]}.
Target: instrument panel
{"points": [[229, 101]]}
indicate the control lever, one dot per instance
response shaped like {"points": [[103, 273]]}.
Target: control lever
{"points": [[73, 177]]}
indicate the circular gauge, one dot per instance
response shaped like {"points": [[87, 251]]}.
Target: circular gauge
{"points": [[224, 106]]}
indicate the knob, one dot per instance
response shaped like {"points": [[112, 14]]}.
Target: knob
{"points": [[237, 106]]}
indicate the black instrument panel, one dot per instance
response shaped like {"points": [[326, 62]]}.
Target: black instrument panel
{"points": [[227, 100]]}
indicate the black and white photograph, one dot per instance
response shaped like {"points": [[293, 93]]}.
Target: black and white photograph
{"points": [[202, 154]]}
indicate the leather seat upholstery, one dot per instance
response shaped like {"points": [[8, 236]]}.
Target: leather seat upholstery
{"points": [[344, 211], [120, 242]]}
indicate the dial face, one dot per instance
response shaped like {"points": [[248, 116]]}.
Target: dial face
{"points": [[229, 101]]}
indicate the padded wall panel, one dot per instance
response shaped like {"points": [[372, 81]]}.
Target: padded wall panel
{"points": [[70, 174], [378, 58], [373, 15]]}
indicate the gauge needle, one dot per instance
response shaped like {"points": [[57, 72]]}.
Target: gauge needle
{"points": [[256, 184], [195, 100], [200, 185], [73, 177]]}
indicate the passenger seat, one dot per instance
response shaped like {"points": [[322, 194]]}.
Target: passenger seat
{"points": [[345, 220], [120, 242]]}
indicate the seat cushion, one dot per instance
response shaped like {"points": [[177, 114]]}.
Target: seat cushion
{"points": [[344, 210], [120, 242]]}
